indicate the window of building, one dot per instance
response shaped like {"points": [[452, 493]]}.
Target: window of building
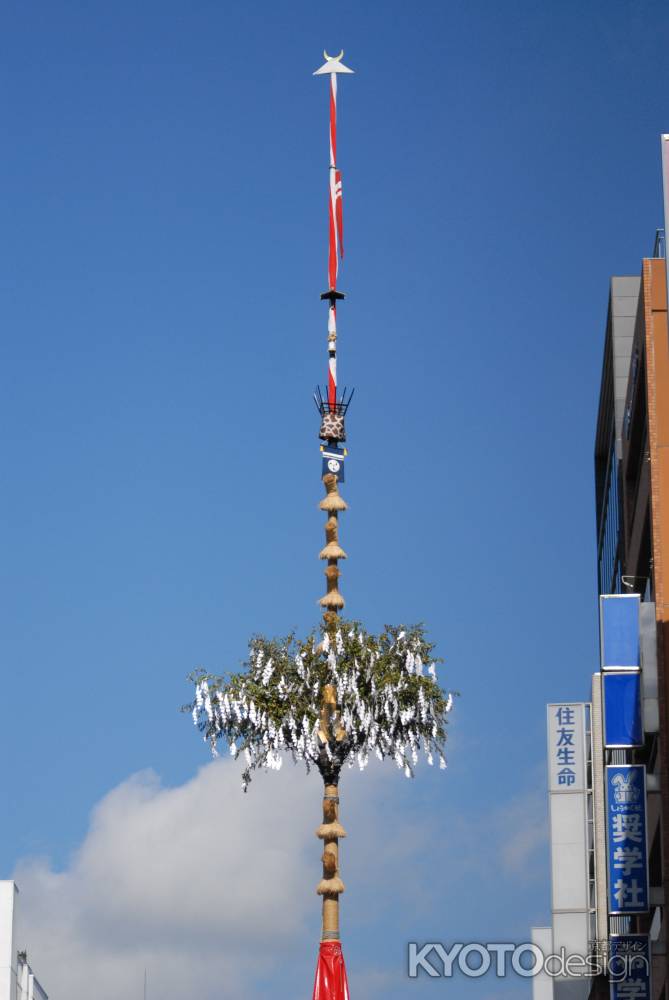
{"points": [[609, 555]]}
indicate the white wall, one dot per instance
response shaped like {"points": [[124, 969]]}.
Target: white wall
{"points": [[8, 899], [17, 981], [542, 984]]}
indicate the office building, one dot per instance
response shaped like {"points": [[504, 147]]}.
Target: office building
{"points": [[17, 980], [609, 816]]}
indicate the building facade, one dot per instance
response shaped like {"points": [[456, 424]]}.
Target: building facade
{"points": [[622, 309], [632, 514], [609, 889], [17, 980]]}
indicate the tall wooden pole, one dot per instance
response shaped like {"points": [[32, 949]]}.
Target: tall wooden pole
{"points": [[332, 504], [330, 831], [333, 409]]}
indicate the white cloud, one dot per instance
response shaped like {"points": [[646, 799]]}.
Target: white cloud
{"points": [[524, 834], [209, 889], [213, 891], [186, 882]]}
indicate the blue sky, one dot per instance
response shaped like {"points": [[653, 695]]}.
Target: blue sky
{"points": [[164, 173]]}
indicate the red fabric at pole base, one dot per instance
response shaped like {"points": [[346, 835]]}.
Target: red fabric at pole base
{"points": [[331, 982]]}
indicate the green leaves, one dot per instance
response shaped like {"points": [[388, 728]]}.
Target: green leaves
{"points": [[388, 701]]}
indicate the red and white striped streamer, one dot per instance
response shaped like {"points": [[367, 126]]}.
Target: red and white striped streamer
{"points": [[336, 213], [332, 355], [336, 242]]}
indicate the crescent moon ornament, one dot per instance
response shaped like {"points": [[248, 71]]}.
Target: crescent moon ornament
{"points": [[333, 64]]}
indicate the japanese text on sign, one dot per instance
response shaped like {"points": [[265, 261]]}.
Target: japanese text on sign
{"points": [[626, 823], [566, 747]]}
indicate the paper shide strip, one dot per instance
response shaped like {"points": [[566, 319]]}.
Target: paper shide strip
{"points": [[387, 706]]}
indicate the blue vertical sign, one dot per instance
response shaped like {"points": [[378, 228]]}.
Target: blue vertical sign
{"points": [[626, 829], [619, 631], [622, 708], [629, 967]]}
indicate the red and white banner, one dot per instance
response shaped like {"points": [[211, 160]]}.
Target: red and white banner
{"points": [[336, 241], [336, 249]]}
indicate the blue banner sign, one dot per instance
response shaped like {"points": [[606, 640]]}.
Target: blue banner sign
{"points": [[626, 830], [619, 631], [622, 709], [629, 967], [333, 462]]}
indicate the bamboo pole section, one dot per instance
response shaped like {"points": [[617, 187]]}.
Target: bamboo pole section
{"points": [[330, 831], [332, 504]]}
